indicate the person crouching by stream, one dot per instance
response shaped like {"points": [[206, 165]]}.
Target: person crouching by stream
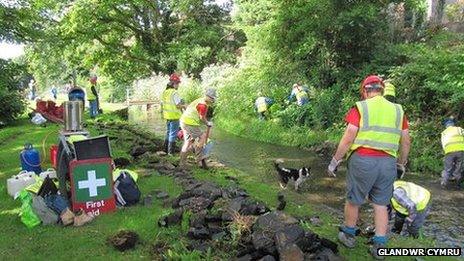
{"points": [[377, 129], [171, 106], [191, 123], [411, 204]]}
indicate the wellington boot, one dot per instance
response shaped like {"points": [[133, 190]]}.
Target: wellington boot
{"points": [[183, 160], [171, 148], [83, 219], [166, 146], [67, 217]]}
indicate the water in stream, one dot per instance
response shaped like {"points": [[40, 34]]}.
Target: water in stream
{"points": [[445, 223]]}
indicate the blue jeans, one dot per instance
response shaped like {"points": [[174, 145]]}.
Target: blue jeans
{"points": [[93, 108], [172, 127]]}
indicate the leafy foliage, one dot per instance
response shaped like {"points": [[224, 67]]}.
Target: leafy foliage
{"points": [[13, 77]]}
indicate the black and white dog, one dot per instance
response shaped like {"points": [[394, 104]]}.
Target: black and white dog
{"points": [[286, 174]]}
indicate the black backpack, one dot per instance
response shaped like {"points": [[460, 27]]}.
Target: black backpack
{"points": [[126, 191]]}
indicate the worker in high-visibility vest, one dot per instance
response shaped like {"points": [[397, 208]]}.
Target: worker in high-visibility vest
{"points": [[452, 141], [92, 96], [411, 204], [262, 105], [171, 107], [377, 143], [300, 93], [191, 122]]}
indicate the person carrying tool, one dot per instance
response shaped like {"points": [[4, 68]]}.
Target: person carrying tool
{"points": [[171, 107], [411, 204], [389, 92], [261, 104], [377, 142], [92, 97], [452, 141], [191, 121], [301, 94]]}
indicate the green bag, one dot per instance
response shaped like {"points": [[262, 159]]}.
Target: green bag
{"points": [[28, 217]]}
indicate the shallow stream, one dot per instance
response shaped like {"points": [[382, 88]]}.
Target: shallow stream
{"points": [[445, 223]]}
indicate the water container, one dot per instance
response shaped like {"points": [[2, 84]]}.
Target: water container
{"points": [[30, 159], [18, 182], [51, 173]]}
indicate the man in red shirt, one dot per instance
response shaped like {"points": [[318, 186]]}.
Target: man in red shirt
{"points": [[377, 130], [191, 123]]}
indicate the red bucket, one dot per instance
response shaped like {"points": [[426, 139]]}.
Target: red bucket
{"points": [[53, 155]]}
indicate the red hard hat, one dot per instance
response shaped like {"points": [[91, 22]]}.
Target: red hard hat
{"points": [[93, 79], [371, 79], [174, 78]]}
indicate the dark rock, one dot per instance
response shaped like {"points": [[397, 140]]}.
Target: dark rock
{"points": [[263, 240], [213, 218], [310, 243], [167, 203], [267, 258], [198, 220], [326, 255], [138, 151], [198, 233], [253, 208], [245, 249], [172, 219], [199, 245], [291, 253], [162, 195], [148, 200], [315, 221], [121, 162], [330, 244], [124, 240], [218, 236], [196, 204], [290, 235], [246, 257]]}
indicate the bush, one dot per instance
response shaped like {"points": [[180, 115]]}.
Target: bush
{"points": [[12, 102]]}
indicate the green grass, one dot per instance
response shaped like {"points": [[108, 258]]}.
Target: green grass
{"points": [[55, 242]]}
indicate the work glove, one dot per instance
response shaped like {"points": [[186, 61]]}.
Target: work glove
{"points": [[209, 124], [332, 169], [400, 170], [409, 219]]}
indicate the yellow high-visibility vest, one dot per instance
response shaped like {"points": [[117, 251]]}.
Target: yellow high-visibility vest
{"points": [[301, 95], [419, 195], [261, 104], [190, 115], [380, 125], [90, 95], [117, 172], [452, 139], [389, 90], [170, 110]]}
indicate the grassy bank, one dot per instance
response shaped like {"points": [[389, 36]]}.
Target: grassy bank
{"points": [[89, 242]]}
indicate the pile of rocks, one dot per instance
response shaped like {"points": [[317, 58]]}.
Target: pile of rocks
{"points": [[274, 235]]}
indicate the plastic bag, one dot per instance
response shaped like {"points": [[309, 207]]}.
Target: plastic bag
{"points": [[28, 217], [38, 119]]}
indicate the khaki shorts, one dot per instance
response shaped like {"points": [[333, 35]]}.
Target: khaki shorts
{"points": [[191, 132]]}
